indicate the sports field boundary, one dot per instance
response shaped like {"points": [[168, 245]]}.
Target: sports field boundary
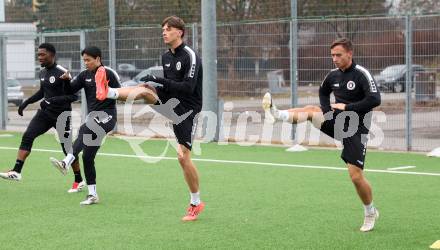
{"points": [[245, 163]]}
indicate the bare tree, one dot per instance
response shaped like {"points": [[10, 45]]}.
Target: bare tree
{"points": [[416, 7], [19, 11]]}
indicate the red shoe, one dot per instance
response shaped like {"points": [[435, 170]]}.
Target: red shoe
{"points": [[193, 212], [101, 83], [77, 187]]}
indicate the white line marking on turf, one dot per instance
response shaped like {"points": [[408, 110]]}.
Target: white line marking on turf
{"points": [[400, 168], [246, 163], [6, 135]]}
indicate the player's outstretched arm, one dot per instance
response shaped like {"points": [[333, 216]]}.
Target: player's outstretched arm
{"points": [[34, 98]]}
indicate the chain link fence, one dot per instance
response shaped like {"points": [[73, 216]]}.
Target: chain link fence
{"points": [[255, 57]]}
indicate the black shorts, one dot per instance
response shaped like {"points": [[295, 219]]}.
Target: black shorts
{"points": [[355, 146], [41, 123], [183, 130], [93, 131]]}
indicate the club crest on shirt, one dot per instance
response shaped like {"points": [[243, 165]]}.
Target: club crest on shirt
{"points": [[178, 65], [351, 85], [52, 79]]}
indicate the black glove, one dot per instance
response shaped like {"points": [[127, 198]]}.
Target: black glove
{"points": [[148, 78], [21, 108], [62, 99], [44, 104], [55, 100]]}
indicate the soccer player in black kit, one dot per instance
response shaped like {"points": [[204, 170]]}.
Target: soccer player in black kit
{"points": [[182, 81], [101, 118], [355, 90], [57, 99]]}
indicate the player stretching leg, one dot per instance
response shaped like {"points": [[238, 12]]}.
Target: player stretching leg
{"points": [[355, 90]]}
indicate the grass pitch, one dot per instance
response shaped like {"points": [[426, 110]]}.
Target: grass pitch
{"points": [[257, 197]]}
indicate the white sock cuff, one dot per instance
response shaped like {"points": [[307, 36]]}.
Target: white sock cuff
{"points": [[195, 198], [369, 209], [69, 159], [112, 93], [92, 189], [283, 115]]}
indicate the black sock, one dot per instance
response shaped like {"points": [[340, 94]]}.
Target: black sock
{"points": [[78, 177], [18, 166]]}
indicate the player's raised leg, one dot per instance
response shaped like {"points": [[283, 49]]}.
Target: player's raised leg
{"points": [[142, 91], [293, 115]]}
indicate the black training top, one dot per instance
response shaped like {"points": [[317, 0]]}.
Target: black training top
{"points": [[55, 90], [86, 80], [183, 77], [354, 87]]}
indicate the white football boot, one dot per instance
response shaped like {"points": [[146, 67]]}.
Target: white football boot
{"points": [[369, 221], [269, 108], [60, 165], [77, 187], [90, 200], [11, 175]]}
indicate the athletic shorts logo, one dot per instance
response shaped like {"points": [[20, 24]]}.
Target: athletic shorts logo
{"points": [[52, 79], [178, 65], [351, 85]]}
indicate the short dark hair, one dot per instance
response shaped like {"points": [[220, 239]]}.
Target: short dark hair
{"points": [[92, 51], [344, 42], [48, 47], [175, 22]]}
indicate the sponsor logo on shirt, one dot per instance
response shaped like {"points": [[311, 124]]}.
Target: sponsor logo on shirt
{"points": [[178, 65], [88, 80], [52, 79], [168, 65]]}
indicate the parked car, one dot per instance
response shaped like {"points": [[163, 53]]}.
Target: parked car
{"points": [[126, 67], [155, 70], [127, 70], [393, 78], [15, 94]]}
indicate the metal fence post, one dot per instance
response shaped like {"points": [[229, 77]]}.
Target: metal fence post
{"points": [[3, 84], [41, 38], [82, 45], [209, 52], [112, 34], [408, 83], [2, 10], [112, 39], [195, 37], [293, 58]]}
